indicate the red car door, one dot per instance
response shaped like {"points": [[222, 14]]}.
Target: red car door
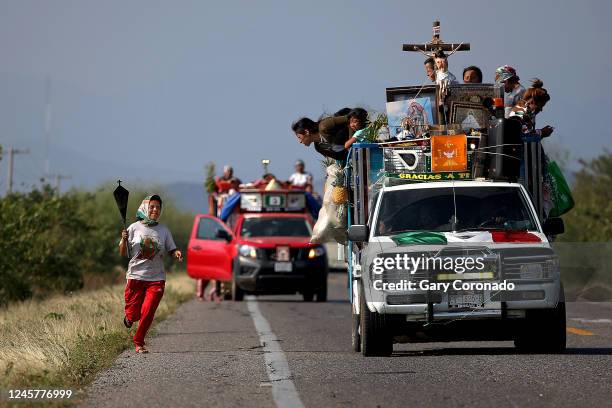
{"points": [[210, 251]]}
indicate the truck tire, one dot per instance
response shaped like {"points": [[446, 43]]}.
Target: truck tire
{"points": [[237, 293], [375, 337], [322, 293], [543, 330]]}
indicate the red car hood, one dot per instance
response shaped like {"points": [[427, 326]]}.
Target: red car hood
{"points": [[272, 242]]}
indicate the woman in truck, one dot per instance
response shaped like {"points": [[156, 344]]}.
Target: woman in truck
{"points": [[329, 135], [148, 242], [532, 103]]}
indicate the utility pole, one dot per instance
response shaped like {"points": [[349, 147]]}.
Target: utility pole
{"points": [[47, 123], [58, 180], [11, 154]]}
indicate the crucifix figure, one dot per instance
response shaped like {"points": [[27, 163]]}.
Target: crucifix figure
{"points": [[436, 49]]}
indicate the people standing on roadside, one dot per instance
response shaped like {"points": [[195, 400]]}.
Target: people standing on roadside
{"points": [[513, 90], [148, 242], [301, 179]]}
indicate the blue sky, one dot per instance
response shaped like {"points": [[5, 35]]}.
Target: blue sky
{"points": [[153, 90]]}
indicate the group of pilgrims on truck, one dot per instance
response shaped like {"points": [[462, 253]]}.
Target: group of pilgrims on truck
{"points": [[443, 130], [450, 172]]}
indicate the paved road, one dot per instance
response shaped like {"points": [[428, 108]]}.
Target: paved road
{"points": [[209, 355]]}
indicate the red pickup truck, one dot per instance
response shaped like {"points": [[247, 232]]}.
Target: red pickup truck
{"points": [[263, 247]]}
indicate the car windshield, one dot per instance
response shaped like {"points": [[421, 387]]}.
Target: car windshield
{"points": [[433, 209], [275, 227]]}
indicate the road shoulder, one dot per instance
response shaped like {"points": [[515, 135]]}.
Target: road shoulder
{"points": [[203, 355]]}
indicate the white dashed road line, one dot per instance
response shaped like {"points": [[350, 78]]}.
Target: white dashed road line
{"points": [[581, 320], [283, 390]]}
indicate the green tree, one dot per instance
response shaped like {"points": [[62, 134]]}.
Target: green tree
{"points": [[39, 242], [48, 241], [591, 218]]}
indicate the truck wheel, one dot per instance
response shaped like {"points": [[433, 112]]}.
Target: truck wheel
{"points": [[543, 330], [322, 293], [237, 293], [375, 337]]}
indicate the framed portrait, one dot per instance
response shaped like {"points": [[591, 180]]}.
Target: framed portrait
{"points": [[409, 118], [469, 115], [411, 93], [472, 93]]}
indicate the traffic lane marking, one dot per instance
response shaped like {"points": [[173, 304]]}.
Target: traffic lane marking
{"points": [[283, 389], [582, 320], [580, 332]]}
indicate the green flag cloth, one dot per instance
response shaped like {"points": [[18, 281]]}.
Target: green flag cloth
{"points": [[419, 237], [561, 194]]}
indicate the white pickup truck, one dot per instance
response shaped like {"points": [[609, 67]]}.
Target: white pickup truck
{"points": [[454, 260]]}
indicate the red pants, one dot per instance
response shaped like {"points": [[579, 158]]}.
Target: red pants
{"points": [[141, 301]]}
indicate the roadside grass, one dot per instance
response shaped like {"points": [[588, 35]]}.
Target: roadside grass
{"points": [[64, 341], [585, 270]]}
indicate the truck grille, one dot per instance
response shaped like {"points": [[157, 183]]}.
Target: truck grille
{"points": [[435, 270], [294, 253]]}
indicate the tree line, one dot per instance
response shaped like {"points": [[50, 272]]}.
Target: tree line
{"points": [[49, 241]]}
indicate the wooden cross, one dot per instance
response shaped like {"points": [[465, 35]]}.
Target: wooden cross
{"points": [[437, 47], [436, 44]]}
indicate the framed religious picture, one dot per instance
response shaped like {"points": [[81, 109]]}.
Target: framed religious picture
{"points": [[469, 116], [472, 93], [409, 118], [424, 96]]}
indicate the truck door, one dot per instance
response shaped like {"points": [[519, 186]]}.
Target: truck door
{"points": [[211, 249]]}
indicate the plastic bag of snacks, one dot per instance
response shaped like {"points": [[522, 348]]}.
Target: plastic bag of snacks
{"points": [[332, 222]]}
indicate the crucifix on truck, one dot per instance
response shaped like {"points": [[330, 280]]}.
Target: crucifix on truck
{"points": [[437, 49]]}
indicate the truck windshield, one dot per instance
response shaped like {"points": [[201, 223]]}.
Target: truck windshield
{"points": [[275, 227], [433, 209]]}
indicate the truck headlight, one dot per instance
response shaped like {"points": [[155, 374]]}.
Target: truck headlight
{"points": [[532, 271], [315, 252], [247, 251]]}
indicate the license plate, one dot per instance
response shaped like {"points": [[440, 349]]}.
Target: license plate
{"points": [[283, 254], [461, 300], [283, 267]]}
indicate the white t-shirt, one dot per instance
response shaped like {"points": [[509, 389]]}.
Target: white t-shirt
{"points": [[148, 245], [300, 179]]}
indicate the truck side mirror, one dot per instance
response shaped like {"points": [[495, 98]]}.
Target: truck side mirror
{"points": [[358, 233], [223, 234], [553, 226]]}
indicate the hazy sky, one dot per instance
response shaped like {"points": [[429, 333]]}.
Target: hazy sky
{"points": [[155, 89]]}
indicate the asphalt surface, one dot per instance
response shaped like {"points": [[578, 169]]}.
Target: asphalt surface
{"points": [[209, 355]]}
